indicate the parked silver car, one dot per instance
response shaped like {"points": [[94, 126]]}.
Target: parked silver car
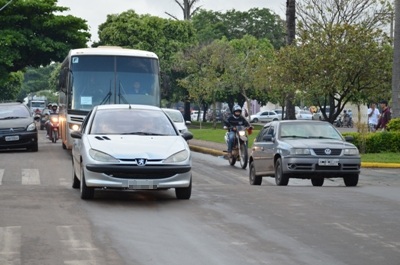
{"points": [[303, 149], [130, 147]]}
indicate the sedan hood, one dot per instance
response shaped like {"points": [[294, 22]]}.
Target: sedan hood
{"points": [[137, 146], [318, 143]]}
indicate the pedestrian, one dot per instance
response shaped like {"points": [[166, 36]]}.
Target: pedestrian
{"points": [[373, 117], [385, 116]]}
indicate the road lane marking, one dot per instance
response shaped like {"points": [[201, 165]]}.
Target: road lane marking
{"points": [[30, 177], [10, 245], [1, 175], [78, 249]]}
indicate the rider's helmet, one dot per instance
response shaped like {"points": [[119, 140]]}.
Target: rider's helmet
{"points": [[237, 110], [54, 106], [49, 105]]}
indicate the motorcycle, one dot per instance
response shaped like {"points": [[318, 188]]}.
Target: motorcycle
{"points": [[344, 121], [54, 123], [240, 146]]}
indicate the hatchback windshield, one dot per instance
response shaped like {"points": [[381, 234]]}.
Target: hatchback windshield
{"points": [[132, 121], [13, 111]]}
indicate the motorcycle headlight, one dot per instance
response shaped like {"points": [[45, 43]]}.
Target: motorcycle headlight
{"points": [[351, 152], [100, 156], [31, 127], [300, 151], [177, 157], [54, 120], [242, 133]]}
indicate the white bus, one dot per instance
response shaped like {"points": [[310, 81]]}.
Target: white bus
{"points": [[104, 75]]}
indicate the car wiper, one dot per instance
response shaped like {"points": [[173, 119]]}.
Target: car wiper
{"points": [[295, 136], [12, 118], [322, 137], [142, 133]]}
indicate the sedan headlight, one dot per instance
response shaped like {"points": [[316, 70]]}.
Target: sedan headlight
{"points": [[300, 151], [100, 156], [351, 152], [178, 157], [31, 127]]}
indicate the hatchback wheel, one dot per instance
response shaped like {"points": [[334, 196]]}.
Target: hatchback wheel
{"points": [[75, 181], [281, 179], [254, 180], [184, 193], [86, 192]]}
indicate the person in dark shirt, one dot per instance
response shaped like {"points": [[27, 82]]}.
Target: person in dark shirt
{"points": [[385, 116], [235, 119]]}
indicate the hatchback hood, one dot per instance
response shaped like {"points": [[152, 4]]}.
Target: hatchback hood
{"points": [[138, 146], [16, 123]]}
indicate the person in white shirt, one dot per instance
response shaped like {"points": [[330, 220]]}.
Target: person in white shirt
{"points": [[373, 117]]}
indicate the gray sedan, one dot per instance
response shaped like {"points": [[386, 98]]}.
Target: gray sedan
{"points": [[130, 147], [303, 149]]}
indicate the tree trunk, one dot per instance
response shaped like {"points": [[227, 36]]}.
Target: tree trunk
{"points": [[395, 107], [291, 34]]}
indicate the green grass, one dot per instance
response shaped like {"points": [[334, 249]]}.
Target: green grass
{"points": [[208, 133]]}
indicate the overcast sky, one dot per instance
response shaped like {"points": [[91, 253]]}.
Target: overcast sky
{"points": [[95, 11]]}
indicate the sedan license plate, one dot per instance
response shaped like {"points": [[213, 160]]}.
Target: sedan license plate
{"points": [[141, 185], [328, 162], [12, 138]]}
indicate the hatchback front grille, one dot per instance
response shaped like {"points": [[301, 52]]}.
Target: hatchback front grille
{"points": [[11, 130]]}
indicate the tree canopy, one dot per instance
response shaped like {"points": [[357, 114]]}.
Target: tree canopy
{"points": [[34, 33]]}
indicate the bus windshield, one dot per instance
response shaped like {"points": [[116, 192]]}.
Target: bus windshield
{"points": [[100, 79]]}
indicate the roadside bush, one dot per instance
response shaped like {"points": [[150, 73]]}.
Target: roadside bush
{"points": [[394, 125], [378, 142]]}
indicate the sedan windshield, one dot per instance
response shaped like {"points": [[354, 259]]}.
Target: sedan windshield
{"points": [[309, 130], [132, 121]]}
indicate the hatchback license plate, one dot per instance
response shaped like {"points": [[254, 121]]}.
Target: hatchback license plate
{"points": [[141, 185], [12, 138], [328, 162]]}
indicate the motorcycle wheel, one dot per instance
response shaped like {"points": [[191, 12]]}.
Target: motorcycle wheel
{"points": [[243, 155], [54, 136], [232, 159]]}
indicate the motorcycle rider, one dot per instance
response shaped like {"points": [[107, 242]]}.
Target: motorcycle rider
{"points": [[53, 110], [231, 122]]}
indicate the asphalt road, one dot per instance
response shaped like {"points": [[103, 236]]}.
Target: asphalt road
{"points": [[227, 221]]}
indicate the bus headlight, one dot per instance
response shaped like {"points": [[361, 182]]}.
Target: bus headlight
{"points": [[74, 127]]}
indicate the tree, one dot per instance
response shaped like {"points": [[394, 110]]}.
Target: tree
{"points": [[260, 23], [290, 38], [396, 64], [346, 50], [187, 8], [32, 33]]}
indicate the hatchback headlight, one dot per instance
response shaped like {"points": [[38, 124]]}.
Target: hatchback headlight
{"points": [[177, 157], [31, 127], [351, 152], [300, 151], [100, 156]]}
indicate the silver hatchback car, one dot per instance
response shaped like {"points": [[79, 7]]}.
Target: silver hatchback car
{"points": [[303, 149], [130, 147]]}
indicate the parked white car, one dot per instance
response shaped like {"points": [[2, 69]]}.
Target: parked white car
{"points": [[304, 115], [177, 117], [264, 116], [195, 114]]}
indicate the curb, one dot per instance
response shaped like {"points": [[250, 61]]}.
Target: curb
{"points": [[214, 152]]}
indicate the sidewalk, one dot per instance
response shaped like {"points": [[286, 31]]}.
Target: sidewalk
{"points": [[217, 149]]}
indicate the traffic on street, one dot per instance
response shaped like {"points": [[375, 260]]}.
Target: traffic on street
{"points": [[226, 221]]}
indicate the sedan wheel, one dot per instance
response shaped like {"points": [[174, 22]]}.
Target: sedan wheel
{"points": [[318, 182], [254, 180], [281, 179], [351, 180], [86, 192], [184, 193]]}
